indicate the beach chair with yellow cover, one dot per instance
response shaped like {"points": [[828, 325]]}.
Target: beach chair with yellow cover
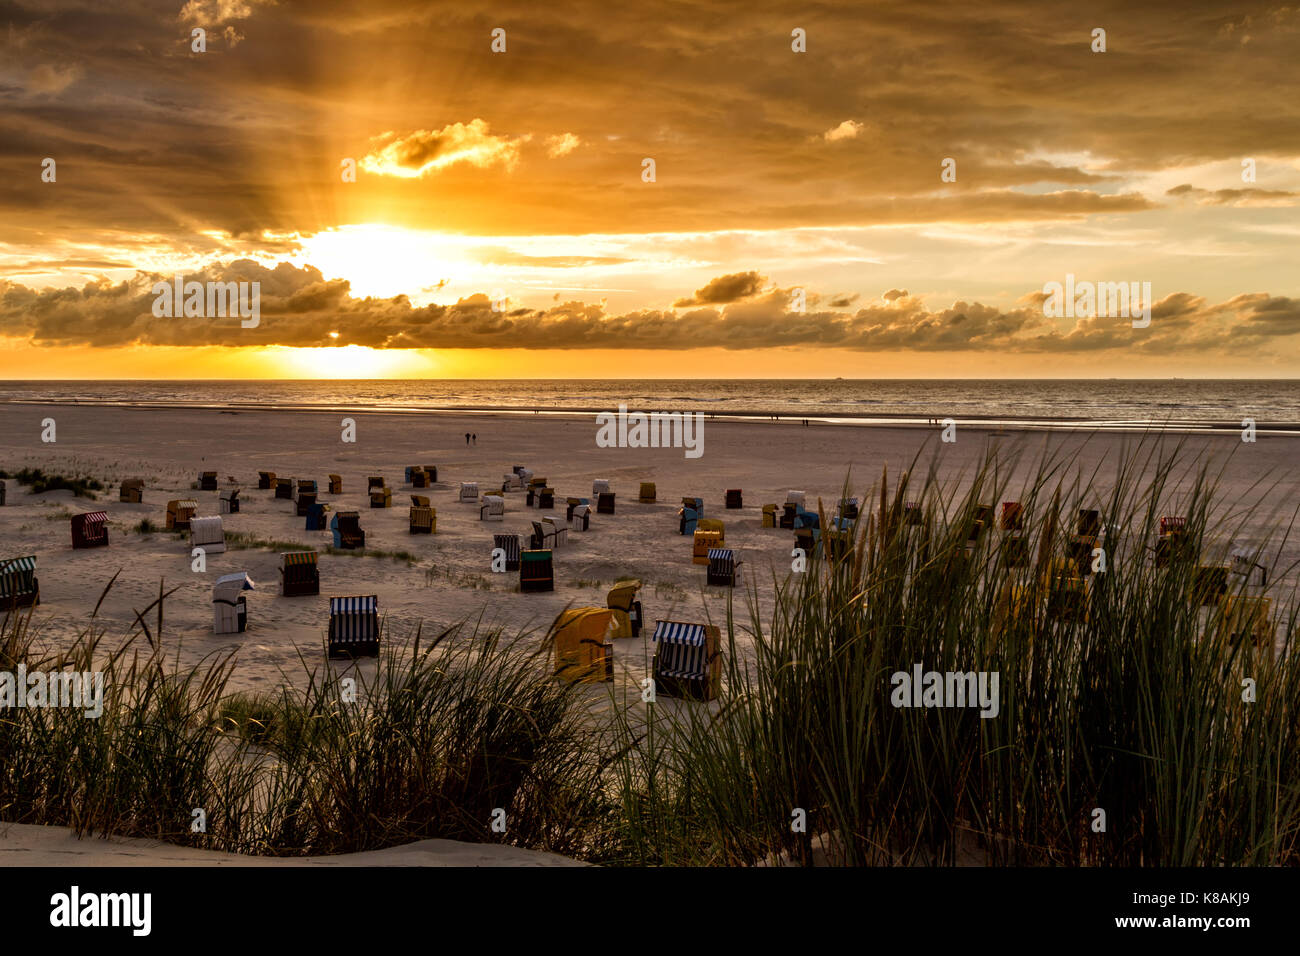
{"points": [[423, 519], [647, 495], [381, 497], [770, 517], [336, 484], [709, 533], [623, 602], [266, 480], [687, 660], [179, 513], [584, 649]]}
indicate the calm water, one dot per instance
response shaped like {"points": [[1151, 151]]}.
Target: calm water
{"points": [[1273, 403]]}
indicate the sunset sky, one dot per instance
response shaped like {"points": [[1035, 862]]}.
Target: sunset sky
{"points": [[519, 174]]}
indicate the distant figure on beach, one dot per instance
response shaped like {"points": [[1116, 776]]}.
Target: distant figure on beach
{"points": [[467, 438], [475, 437]]}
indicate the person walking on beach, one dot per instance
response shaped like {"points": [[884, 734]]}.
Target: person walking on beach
{"points": [[475, 437], [467, 438]]}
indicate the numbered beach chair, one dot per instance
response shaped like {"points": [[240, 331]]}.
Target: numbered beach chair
{"points": [[469, 492], [208, 533], [229, 606], [709, 533], [647, 495], [536, 571], [208, 481], [492, 508], [18, 584], [266, 480], [422, 519], [179, 513], [622, 600], [735, 499], [131, 492], [724, 567], [687, 660], [299, 573], [584, 649], [228, 501], [336, 484], [346, 526], [354, 626], [90, 530], [508, 545]]}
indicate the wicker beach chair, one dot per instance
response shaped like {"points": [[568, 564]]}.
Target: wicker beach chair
{"points": [[687, 660], [229, 606], [19, 586], [208, 481], [266, 480], [724, 567], [228, 501], [584, 649], [354, 626], [647, 494], [208, 533], [299, 573], [509, 545], [90, 530], [536, 570], [346, 526], [492, 508], [336, 484], [735, 499], [469, 492], [179, 513], [131, 492], [622, 600], [422, 520]]}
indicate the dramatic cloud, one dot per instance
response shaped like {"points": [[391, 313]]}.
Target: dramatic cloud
{"points": [[723, 289], [849, 129], [301, 308], [1234, 197], [561, 145], [423, 152]]}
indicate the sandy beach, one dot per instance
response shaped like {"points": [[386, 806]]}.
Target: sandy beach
{"points": [[451, 580]]}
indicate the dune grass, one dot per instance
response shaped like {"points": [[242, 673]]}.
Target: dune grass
{"points": [[1144, 701], [81, 486]]}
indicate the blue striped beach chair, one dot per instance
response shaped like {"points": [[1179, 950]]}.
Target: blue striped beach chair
{"points": [[354, 626], [688, 660], [724, 567]]}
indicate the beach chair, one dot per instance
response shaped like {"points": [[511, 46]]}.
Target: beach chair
{"points": [[316, 517], [689, 514], [810, 540], [1067, 595], [492, 508], [266, 480], [706, 539], [735, 499], [131, 492], [724, 567], [208, 481], [179, 513], [847, 508], [806, 519], [536, 571], [598, 486], [584, 649], [508, 543], [18, 584], [580, 518], [535, 486], [687, 660], [299, 573], [336, 484], [1015, 551], [208, 533], [1013, 516], [1172, 539], [422, 520], [770, 518], [647, 495], [977, 521], [410, 472], [789, 512], [228, 501], [229, 606], [469, 492], [420, 501], [381, 497], [837, 543], [622, 600], [546, 498], [605, 503], [90, 530], [354, 626], [346, 526], [557, 530], [306, 501], [373, 482], [431, 474], [511, 482], [420, 478], [305, 486], [284, 488], [3, 492], [1249, 618]]}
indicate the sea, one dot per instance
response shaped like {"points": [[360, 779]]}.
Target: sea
{"points": [[1192, 404]]}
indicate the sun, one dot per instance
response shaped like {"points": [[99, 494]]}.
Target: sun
{"points": [[354, 361]]}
